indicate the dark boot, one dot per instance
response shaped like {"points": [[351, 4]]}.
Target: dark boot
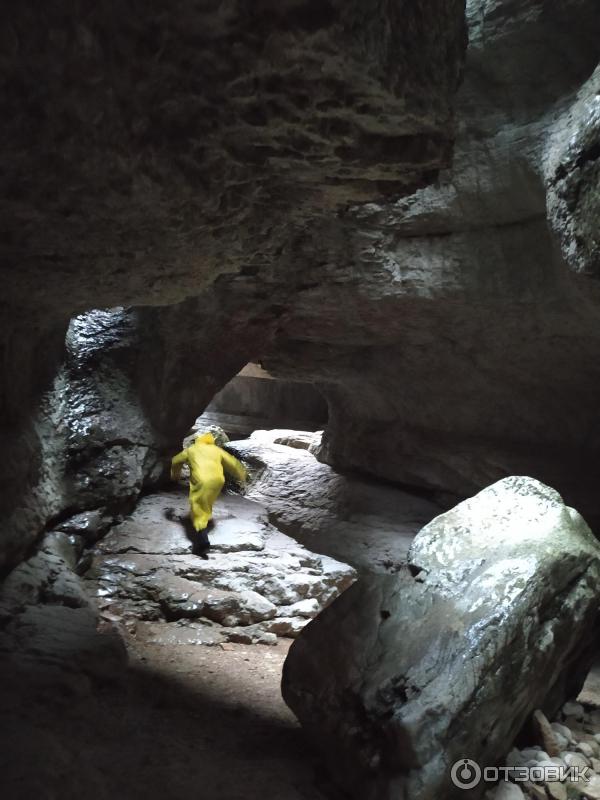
{"points": [[201, 545]]}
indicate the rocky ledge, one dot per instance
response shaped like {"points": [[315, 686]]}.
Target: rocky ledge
{"points": [[256, 583]]}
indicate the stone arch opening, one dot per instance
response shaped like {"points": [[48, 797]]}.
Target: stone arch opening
{"points": [[256, 399], [115, 580]]}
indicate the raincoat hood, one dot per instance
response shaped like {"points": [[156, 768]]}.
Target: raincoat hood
{"points": [[206, 438]]}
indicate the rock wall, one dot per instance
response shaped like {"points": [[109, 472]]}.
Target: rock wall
{"points": [[457, 331], [128, 387], [146, 151], [277, 182], [170, 157], [271, 402]]}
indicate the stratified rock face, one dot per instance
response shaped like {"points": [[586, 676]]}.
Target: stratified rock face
{"points": [[403, 675], [264, 402], [351, 518], [573, 169], [171, 157], [261, 179], [457, 336], [148, 150]]}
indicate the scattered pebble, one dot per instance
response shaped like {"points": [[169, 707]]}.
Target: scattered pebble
{"points": [[534, 754], [572, 709], [556, 790], [505, 791], [579, 747], [592, 788], [562, 730], [576, 760], [585, 748]]}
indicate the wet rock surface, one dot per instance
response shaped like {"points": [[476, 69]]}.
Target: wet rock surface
{"points": [[449, 312], [448, 660], [143, 677], [171, 160], [351, 518], [253, 584]]}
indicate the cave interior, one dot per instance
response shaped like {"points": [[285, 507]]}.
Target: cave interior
{"points": [[358, 242]]}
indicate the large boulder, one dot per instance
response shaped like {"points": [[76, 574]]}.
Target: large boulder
{"points": [[404, 674]]}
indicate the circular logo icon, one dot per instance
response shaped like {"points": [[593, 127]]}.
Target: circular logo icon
{"points": [[465, 774]]}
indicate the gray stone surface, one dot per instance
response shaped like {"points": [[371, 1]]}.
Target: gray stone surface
{"points": [[353, 519], [448, 662], [448, 311], [253, 394], [172, 159], [468, 348], [590, 692], [49, 623], [144, 570], [233, 535]]}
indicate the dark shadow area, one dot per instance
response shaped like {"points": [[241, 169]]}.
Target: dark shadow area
{"points": [[199, 540], [148, 736]]}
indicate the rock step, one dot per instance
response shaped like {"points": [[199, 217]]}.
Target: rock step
{"points": [[252, 576]]}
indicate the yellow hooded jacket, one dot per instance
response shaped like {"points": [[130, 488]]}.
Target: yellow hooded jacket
{"points": [[208, 464]]}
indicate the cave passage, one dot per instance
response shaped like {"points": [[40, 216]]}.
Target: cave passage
{"points": [[361, 238], [254, 399], [169, 663]]}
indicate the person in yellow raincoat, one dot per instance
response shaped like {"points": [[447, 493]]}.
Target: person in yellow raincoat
{"points": [[208, 464]]}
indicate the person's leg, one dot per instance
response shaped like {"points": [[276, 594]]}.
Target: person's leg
{"points": [[198, 510], [202, 497], [205, 499], [199, 517], [200, 543]]}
